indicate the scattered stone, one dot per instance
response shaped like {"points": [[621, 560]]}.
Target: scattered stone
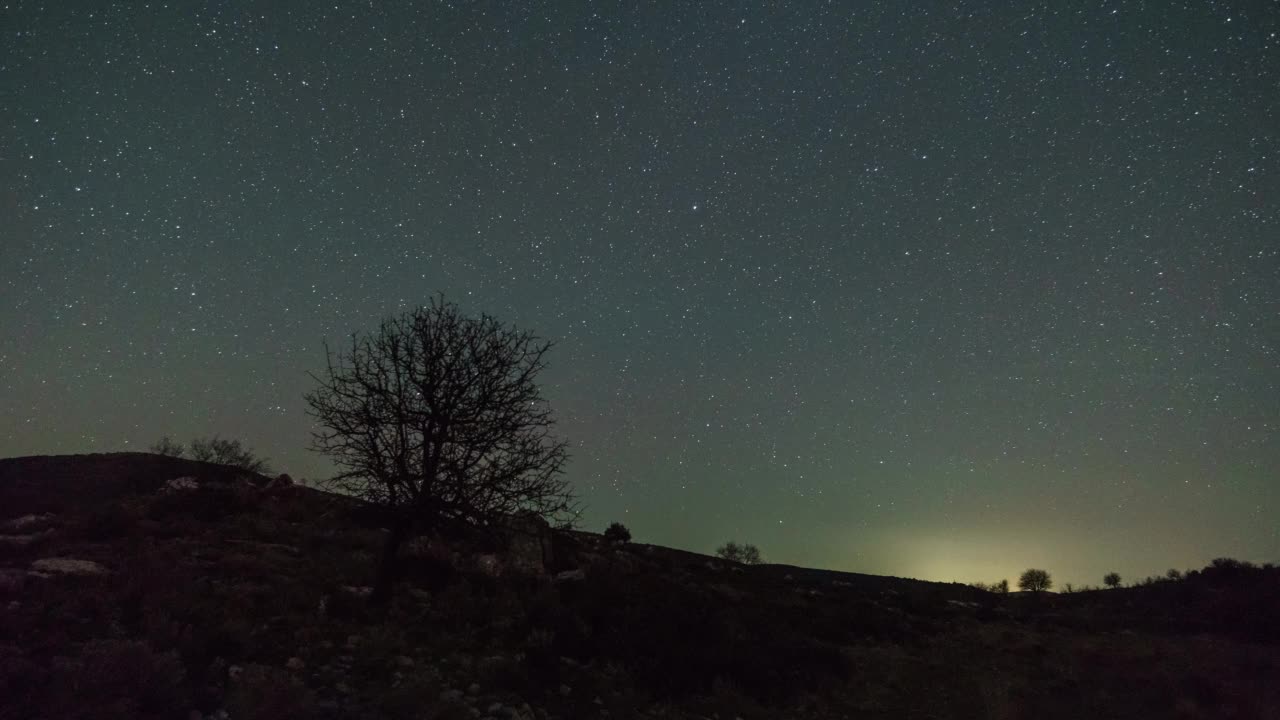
{"points": [[451, 696], [343, 688], [182, 484], [68, 566], [566, 691], [419, 594], [234, 672], [598, 701], [495, 708], [353, 641], [473, 689], [361, 591], [295, 663], [571, 576], [404, 661]]}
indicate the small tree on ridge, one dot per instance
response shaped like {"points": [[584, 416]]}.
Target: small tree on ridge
{"points": [[1036, 581], [435, 416], [746, 553], [1111, 580]]}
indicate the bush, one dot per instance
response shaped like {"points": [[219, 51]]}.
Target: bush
{"points": [[118, 679], [1036, 581], [1111, 580], [746, 553], [617, 533], [214, 450]]}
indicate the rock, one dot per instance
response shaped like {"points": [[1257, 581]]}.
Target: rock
{"points": [[360, 591], [473, 689], [68, 566], [24, 540], [571, 576], [295, 663], [566, 691], [529, 542], [353, 641], [27, 522], [181, 484], [404, 661], [419, 594], [489, 565], [234, 672], [451, 696], [495, 709], [343, 688]]}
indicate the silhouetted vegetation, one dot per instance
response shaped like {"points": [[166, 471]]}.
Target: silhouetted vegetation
{"points": [[744, 553], [1036, 581], [1000, 587], [1111, 580], [436, 417], [617, 533], [215, 450], [225, 597]]}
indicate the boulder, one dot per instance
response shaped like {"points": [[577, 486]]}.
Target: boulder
{"points": [[27, 522], [182, 484], [68, 566], [490, 565], [571, 576], [529, 540]]}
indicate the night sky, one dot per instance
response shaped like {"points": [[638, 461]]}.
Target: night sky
{"points": [[941, 290]]}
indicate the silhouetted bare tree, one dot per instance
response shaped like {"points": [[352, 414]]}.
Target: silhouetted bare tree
{"points": [[214, 450], [1036, 581], [436, 416], [167, 447], [745, 553], [1111, 580], [617, 533]]}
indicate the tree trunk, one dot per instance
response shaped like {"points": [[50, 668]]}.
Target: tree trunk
{"points": [[388, 565]]}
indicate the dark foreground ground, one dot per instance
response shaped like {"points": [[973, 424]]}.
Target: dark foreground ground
{"points": [[236, 599]]}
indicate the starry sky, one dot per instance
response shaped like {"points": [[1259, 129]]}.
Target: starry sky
{"points": [[940, 290]]}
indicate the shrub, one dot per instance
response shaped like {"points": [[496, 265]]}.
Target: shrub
{"points": [[746, 553], [1173, 574], [1111, 580], [118, 679], [214, 450], [617, 533], [1036, 581]]}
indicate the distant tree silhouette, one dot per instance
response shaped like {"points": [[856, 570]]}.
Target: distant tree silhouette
{"points": [[436, 416], [167, 447], [227, 452], [1111, 580], [1000, 588], [214, 450], [617, 533], [746, 553], [1036, 581], [1173, 574]]}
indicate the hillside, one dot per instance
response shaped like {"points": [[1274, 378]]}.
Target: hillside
{"points": [[124, 595]]}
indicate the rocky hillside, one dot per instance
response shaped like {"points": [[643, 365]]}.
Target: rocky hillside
{"points": [[140, 586]]}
